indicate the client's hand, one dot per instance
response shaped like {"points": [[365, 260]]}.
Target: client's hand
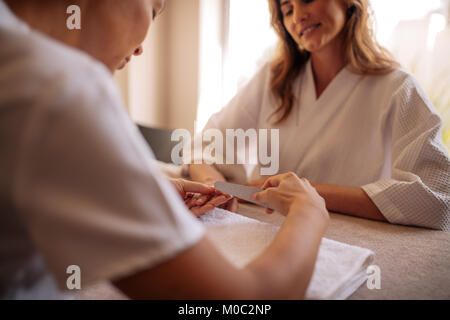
{"points": [[232, 204], [288, 193], [257, 183], [198, 197]]}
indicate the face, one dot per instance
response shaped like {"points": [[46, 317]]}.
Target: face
{"points": [[314, 24], [120, 29]]}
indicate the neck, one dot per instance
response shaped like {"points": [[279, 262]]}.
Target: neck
{"points": [[326, 64], [51, 20]]}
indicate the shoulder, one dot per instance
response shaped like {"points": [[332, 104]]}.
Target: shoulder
{"points": [[398, 81], [400, 89], [391, 82]]}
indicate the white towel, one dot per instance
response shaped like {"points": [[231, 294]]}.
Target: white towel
{"points": [[339, 271]]}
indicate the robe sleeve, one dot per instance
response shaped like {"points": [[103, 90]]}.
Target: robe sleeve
{"points": [[418, 192]]}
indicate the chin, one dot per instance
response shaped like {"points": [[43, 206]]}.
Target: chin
{"points": [[313, 47]]}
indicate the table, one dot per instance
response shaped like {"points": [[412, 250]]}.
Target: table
{"points": [[414, 262]]}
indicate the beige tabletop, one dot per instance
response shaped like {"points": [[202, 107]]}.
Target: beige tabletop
{"points": [[414, 262]]}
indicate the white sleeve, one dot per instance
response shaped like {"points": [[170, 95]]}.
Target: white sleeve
{"points": [[88, 189], [419, 191], [242, 112]]}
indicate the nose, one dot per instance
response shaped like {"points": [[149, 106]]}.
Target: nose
{"points": [[300, 12], [138, 51]]}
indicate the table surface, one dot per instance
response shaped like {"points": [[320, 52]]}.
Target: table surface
{"points": [[414, 262]]}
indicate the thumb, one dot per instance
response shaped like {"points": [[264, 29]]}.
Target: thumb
{"points": [[259, 196]]}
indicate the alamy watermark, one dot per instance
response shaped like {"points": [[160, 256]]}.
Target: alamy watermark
{"points": [[73, 281], [73, 22], [233, 146], [374, 280]]}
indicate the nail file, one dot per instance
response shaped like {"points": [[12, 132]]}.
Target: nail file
{"points": [[240, 191]]}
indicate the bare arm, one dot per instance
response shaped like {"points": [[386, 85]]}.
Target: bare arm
{"points": [[205, 173], [283, 271], [346, 200], [349, 200]]}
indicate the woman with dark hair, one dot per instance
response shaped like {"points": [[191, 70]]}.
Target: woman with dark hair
{"points": [[79, 186], [350, 119]]}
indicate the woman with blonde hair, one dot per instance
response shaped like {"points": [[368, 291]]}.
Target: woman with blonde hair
{"points": [[350, 120]]}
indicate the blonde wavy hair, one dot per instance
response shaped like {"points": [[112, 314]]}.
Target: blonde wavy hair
{"points": [[363, 53]]}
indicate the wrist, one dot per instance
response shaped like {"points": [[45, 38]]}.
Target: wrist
{"points": [[308, 211]]}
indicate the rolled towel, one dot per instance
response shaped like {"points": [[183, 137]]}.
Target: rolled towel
{"points": [[339, 271]]}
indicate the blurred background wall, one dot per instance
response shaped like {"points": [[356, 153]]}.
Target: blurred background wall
{"points": [[199, 53], [160, 88]]}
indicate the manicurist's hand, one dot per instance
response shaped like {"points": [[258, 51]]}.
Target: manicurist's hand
{"points": [[287, 193], [198, 197]]}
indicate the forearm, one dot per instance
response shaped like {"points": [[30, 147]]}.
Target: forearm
{"points": [[282, 271], [286, 267], [205, 173], [349, 200], [279, 273]]}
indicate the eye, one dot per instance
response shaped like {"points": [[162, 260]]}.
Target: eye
{"points": [[287, 9], [307, 1]]}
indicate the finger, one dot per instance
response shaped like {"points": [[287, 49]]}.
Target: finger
{"points": [[198, 211], [188, 196], [308, 183], [197, 187], [232, 205], [191, 203], [262, 197], [275, 181], [201, 200], [188, 204], [213, 203], [218, 201], [257, 183]]}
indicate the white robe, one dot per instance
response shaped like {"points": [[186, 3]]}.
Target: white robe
{"points": [[380, 133], [78, 183]]}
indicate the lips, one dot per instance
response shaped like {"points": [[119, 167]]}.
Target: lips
{"points": [[307, 30]]}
